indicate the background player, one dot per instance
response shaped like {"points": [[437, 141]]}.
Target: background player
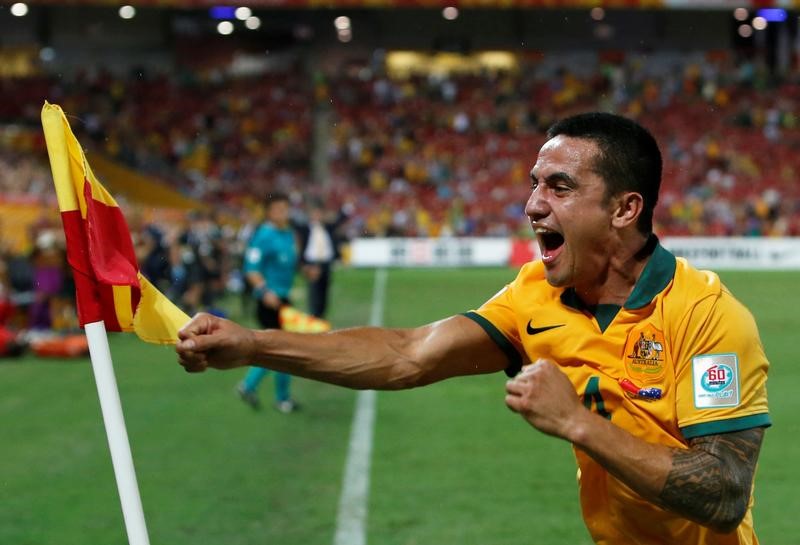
{"points": [[270, 264]]}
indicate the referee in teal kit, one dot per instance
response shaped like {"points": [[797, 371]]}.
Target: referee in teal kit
{"points": [[270, 264]]}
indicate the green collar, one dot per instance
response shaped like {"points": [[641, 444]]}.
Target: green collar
{"points": [[656, 275]]}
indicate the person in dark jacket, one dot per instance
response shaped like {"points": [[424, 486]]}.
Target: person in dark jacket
{"points": [[319, 249]]}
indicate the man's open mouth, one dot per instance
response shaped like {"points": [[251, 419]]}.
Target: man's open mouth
{"points": [[550, 243]]}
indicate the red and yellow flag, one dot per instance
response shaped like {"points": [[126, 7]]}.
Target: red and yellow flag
{"points": [[292, 319], [108, 283]]}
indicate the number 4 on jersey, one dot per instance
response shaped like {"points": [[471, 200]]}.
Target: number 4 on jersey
{"points": [[592, 396]]}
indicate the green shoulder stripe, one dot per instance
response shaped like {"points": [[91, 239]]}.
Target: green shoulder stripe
{"points": [[727, 426], [514, 357]]}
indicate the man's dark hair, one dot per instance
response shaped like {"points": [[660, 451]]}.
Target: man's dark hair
{"points": [[276, 197], [629, 158]]}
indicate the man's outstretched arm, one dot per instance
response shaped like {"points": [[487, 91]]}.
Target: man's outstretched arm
{"points": [[363, 357]]}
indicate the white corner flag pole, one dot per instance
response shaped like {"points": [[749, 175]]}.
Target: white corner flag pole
{"points": [[117, 435]]}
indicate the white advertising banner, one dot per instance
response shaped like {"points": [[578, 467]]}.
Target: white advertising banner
{"points": [[745, 253], [430, 252], [715, 253]]}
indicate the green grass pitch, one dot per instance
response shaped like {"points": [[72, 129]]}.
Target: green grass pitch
{"points": [[450, 464]]}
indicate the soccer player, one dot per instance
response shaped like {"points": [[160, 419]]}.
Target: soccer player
{"points": [[270, 263], [650, 368]]}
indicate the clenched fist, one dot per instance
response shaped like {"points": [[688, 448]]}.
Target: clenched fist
{"points": [[543, 395], [209, 341]]}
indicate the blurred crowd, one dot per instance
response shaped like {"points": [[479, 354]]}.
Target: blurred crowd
{"points": [[188, 260], [194, 258], [212, 139], [435, 155], [425, 155], [451, 155]]}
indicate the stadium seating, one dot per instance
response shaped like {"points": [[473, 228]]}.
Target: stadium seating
{"points": [[432, 156]]}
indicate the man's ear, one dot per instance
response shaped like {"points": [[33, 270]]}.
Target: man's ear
{"points": [[628, 208]]}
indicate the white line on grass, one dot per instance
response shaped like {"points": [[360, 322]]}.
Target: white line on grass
{"points": [[351, 522]]}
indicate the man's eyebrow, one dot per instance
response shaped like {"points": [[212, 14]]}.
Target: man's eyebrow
{"points": [[555, 177]]}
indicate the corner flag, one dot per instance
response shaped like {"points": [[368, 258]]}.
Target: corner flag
{"points": [[108, 284], [111, 294]]}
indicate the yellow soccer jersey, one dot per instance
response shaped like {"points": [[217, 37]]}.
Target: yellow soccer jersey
{"points": [[681, 337]]}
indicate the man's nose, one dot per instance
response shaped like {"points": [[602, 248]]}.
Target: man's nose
{"points": [[537, 206]]}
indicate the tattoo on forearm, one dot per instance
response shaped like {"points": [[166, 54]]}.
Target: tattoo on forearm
{"points": [[710, 482]]}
